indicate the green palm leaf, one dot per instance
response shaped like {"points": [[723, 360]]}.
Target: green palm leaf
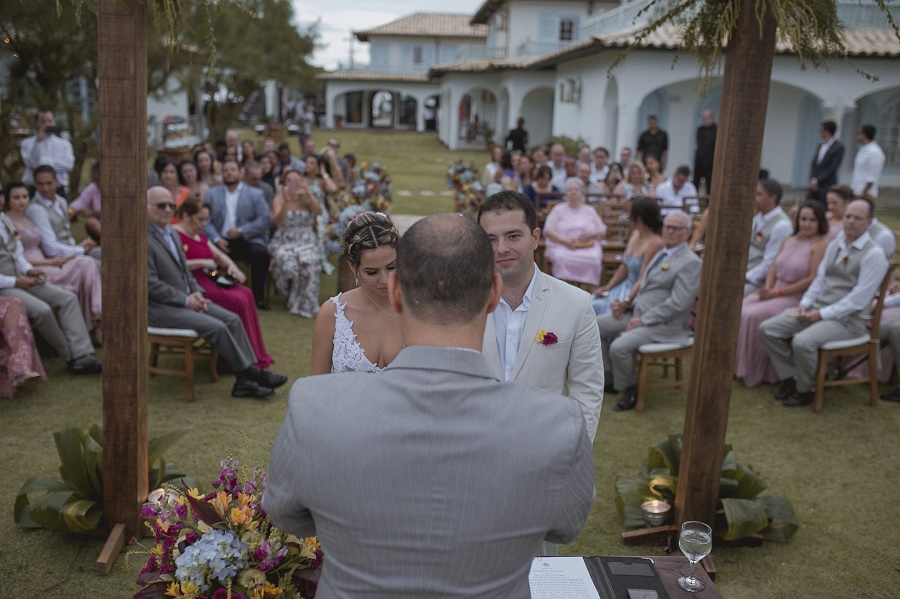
{"points": [[158, 445], [38, 484], [750, 483], [743, 517], [71, 455], [782, 521], [81, 515], [46, 510]]}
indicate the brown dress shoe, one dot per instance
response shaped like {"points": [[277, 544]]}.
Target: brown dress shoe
{"points": [[788, 388], [798, 400]]}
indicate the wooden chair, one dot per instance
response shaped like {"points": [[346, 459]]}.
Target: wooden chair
{"points": [[180, 341], [667, 355], [544, 202], [866, 347]]}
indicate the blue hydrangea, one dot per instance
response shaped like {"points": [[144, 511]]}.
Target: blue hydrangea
{"points": [[217, 555]]}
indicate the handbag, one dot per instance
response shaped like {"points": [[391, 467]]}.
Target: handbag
{"points": [[222, 279]]}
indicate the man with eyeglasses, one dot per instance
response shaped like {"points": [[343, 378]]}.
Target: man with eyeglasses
{"points": [[659, 312], [835, 307], [176, 301]]}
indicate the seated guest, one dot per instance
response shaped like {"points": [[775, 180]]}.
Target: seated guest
{"points": [[541, 185], [654, 173], [168, 178], [20, 363], [493, 167], [50, 214], [248, 152], [189, 176], [78, 274], [591, 189], [253, 176], [613, 178], [524, 169], [835, 306], [176, 301], [771, 226], [678, 192], [573, 232], [88, 204], [635, 184], [390, 434], [206, 168], [889, 333], [643, 243], [794, 269], [837, 199], [53, 311], [204, 259], [659, 312], [286, 161], [267, 165], [295, 247], [238, 224]]}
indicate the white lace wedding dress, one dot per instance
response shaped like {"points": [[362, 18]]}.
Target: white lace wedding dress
{"points": [[347, 355]]}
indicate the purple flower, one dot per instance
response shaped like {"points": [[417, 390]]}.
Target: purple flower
{"points": [[550, 339]]}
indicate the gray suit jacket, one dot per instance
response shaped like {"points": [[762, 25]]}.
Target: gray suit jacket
{"points": [[165, 276], [573, 363], [668, 291], [428, 479], [251, 215]]}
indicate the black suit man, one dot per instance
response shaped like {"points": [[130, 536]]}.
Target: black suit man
{"points": [[825, 162], [176, 301]]}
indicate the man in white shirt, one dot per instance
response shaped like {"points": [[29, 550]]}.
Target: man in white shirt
{"points": [[47, 147], [50, 214], [557, 164], [835, 307], [771, 226], [677, 192], [868, 164], [590, 188], [600, 166]]}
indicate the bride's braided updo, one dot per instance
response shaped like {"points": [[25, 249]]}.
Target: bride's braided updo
{"points": [[367, 231]]}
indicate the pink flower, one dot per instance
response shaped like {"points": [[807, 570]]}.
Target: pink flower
{"points": [[550, 339]]}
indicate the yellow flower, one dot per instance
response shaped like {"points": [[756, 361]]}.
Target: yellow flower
{"points": [[241, 515], [664, 266], [158, 550], [173, 590], [251, 578], [195, 493], [540, 336], [190, 589]]}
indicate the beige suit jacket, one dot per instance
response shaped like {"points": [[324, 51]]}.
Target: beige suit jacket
{"points": [[573, 366]]}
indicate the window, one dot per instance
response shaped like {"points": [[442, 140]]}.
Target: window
{"points": [[417, 55], [888, 135], [500, 21], [566, 30]]}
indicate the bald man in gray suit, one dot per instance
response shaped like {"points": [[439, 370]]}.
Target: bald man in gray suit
{"points": [[431, 478]]}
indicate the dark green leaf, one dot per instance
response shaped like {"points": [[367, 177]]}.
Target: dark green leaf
{"points": [[38, 484], [782, 521], [46, 510], [71, 455], [81, 515], [158, 445], [744, 517]]}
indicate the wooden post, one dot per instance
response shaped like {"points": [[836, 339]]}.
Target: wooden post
{"points": [[742, 118], [123, 159]]}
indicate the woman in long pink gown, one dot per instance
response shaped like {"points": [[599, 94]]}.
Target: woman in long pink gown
{"points": [[202, 256], [573, 232], [78, 274], [19, 360], [794, 269]]}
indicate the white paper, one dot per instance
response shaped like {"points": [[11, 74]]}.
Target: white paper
{"points": [[561, 578]]}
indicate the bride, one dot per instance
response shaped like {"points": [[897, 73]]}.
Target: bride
{"points": [[357, 330]]}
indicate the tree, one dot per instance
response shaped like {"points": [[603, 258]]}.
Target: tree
{"points": [[747, 30]]}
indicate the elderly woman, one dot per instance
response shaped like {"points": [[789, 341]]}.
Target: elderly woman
{"points": [[573, 232], [634, 184]]}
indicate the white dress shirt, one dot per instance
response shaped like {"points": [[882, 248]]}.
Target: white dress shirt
{"points": [[49, 243], [780, 232], [53, 150], [881, 235], [231, 202], [23, 265], [873, 265], [867, 168], [669, 199], [508, 327]]}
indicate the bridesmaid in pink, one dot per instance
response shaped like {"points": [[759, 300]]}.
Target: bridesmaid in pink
{"points": [[837, 199], [19, 361], [794, 269]]}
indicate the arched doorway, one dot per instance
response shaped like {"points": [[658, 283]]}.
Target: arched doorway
{"points": [[537, 110], [406, 113], [381, 109], [477, 112]]}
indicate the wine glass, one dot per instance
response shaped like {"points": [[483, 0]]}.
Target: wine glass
{"points": [[696, 543]]}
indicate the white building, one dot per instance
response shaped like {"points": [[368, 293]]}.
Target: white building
{"points": [[549, 61]]}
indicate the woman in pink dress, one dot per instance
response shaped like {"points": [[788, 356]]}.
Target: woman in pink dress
{"points": [[794, 269], [203, 257], [573, 232], [78, 274], [19, 360], [837, 199]]}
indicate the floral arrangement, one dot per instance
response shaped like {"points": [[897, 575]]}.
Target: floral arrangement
{"points": [[546, 338], [223, 546], [370, 193], [463, 179], [743, 510]]}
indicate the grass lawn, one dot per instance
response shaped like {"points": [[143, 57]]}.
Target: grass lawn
{"points": [[836, 467]]}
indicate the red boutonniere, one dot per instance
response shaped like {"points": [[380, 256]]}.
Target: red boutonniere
{"points": [[546, 337], [759, 237], [844, 259]]}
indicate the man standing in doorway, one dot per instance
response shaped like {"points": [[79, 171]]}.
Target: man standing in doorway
{"points": [[705, 152], [868, 164], [825, 163]]}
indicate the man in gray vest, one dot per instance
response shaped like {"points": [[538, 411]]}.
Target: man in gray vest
{"points": [[771, 226], [44, 302], [50, 214], [835, 306]]}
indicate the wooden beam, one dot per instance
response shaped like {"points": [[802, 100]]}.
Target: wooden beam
{"points": [[122, 54], [742, 118]]}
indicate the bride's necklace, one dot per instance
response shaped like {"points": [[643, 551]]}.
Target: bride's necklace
{"points": [[373, 301]]}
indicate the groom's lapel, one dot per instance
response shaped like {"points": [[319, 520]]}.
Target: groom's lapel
{"points": [[491, 352], [539, 298]]}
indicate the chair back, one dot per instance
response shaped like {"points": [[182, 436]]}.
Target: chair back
{"points": [[545, 201], [879, 302], [617, 218]]}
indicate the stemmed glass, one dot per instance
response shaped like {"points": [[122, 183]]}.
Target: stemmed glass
{"points": [[696, 543]]}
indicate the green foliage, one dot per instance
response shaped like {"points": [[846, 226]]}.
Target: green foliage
{"points": [[75, 503], [811, 28], [743, 511]]}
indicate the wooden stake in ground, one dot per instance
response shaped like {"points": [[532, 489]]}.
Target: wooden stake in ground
{"points": [[123, 166], [742, 118]]}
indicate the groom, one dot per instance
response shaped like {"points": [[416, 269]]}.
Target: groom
{"points": [[430, 479]]}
